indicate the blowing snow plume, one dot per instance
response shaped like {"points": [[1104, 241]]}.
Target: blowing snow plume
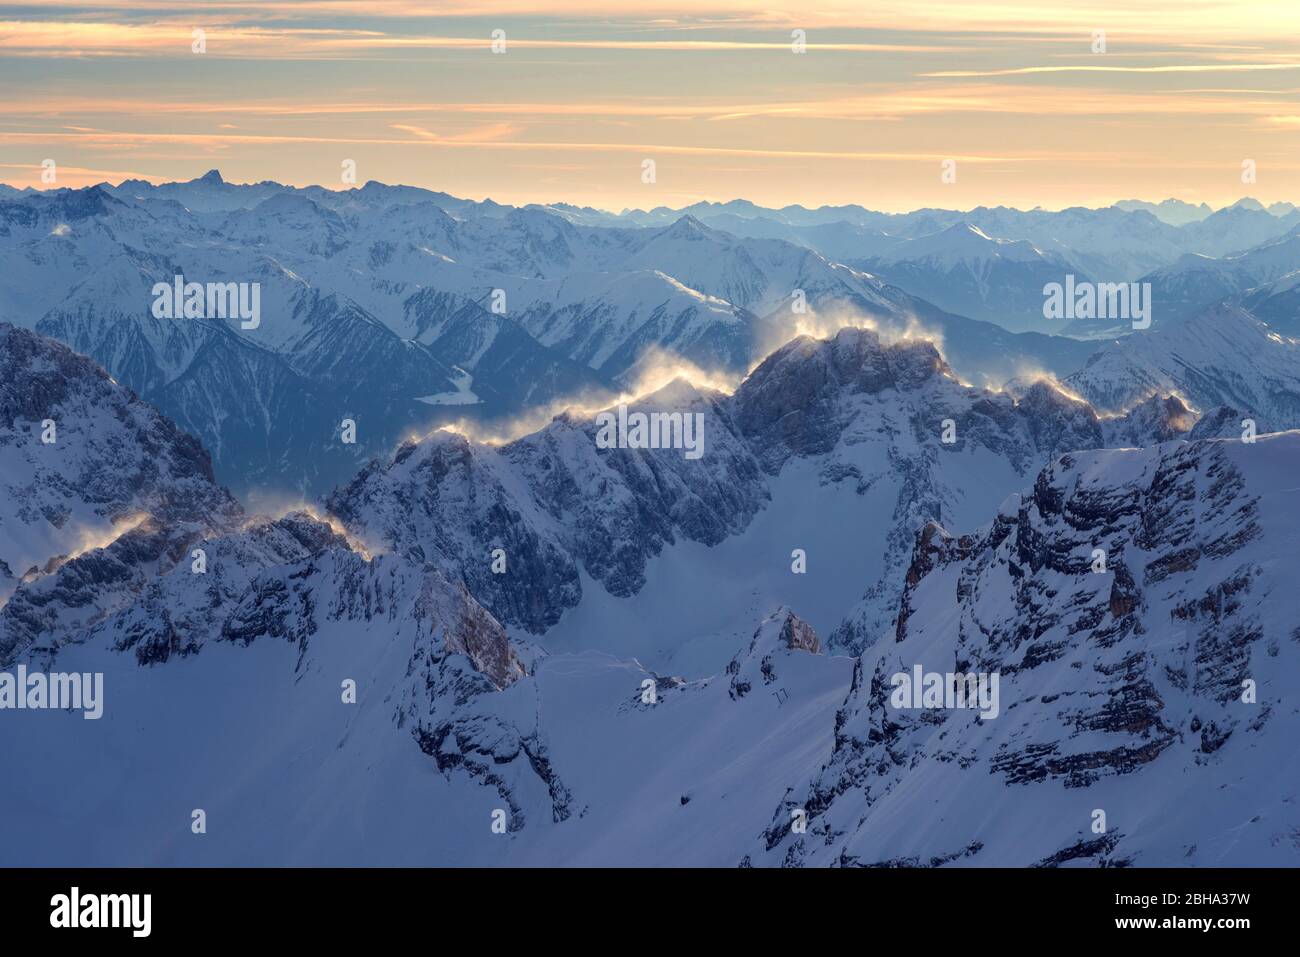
{"points": [[825, 322], [655, 369]]}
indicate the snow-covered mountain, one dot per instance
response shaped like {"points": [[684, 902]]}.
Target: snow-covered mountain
{"points": [[965, 271], [191, 576], [1175, 212], [511, 636], [839, 241], [1239, 227], [328, 693], [1276, 303], [1256, 278], [1118, 243], [320, 683], [1222, 357], [401, 308], [83, 460], [1144, 711], [853, 426]]}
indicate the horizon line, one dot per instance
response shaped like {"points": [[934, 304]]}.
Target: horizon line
{"points": [[157, 182]]}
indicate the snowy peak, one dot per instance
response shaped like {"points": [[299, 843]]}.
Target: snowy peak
{"points": [[62, 206], [794, 403], [1175, 212], [1223, 356], [85, 460], [688, 228], [578, 494], [856, 360], [370, 296], [963, 243], [1157, 420], [964, 269], [580, 498], [1112, 619]]}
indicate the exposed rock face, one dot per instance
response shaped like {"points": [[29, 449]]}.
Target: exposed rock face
{"points": [[69, 596], [285, 579], [558, 506], [467, 629], [1221, 422], [295, 579], [798, 635], [780, 634], [134, 548], [450, 505], [1158, 419], [1021, 426], [97, 492], [1129, 604], [801, 398], [104, 462], [554, 502], [382, 301], [451, 712], [128, 536], [178, 612]]}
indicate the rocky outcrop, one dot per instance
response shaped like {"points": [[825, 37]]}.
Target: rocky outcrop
{"points": [[518, 522], [1128, 606], [98, 492], [781, 633], [557, 506]]}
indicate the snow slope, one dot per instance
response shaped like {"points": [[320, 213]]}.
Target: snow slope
{"points": [[1122, 690], [339, 695], [648, 552], [112, 461], [372, 298], [966, 271], [1222, 357]]}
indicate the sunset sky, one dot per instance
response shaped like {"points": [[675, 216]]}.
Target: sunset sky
{"points": [[711, 90]]}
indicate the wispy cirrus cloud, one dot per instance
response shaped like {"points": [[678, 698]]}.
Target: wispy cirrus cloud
{"points": [[1108, 68], [950, 98], [712, 89], [228, 38], [1218, 19], [418, 136]]}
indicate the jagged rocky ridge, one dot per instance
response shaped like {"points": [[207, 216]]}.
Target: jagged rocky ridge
{"points": [[866, 413], [189, 568], [400, 308], [1121, 684], [110, 462], [1222, 357], [241, 665]]}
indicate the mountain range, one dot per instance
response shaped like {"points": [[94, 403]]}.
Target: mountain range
{"points": [[641, 656], [399, 309], [380, 575]]}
